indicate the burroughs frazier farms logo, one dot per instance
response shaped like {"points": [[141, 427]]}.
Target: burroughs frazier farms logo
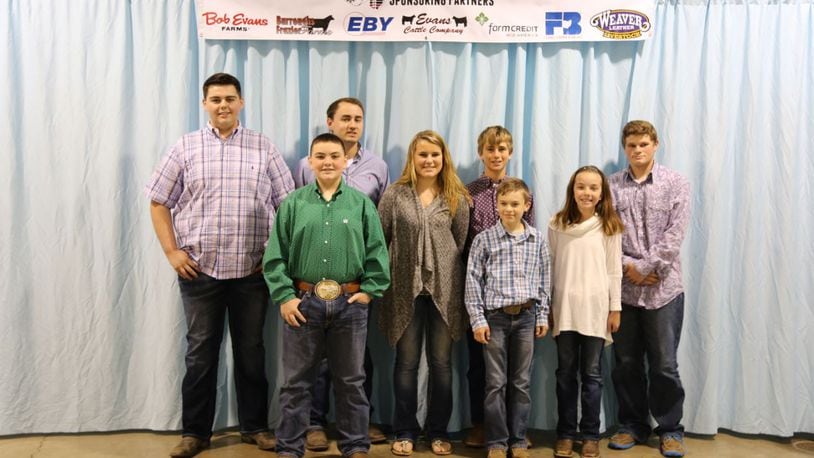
{"points": [[238, 22], [304, 25], [621, 24]]}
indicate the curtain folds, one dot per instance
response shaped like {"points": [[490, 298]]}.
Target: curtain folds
{"points": [[92, 334]]}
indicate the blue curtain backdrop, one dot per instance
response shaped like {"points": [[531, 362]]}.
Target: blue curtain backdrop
{"points": [[94, 92]]}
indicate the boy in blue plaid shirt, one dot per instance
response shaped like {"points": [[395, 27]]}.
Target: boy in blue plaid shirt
{"points": [[507, 296]]}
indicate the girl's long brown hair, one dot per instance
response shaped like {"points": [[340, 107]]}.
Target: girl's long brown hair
{"points": [[570, 214]]}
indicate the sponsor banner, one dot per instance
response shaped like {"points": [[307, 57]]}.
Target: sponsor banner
{"points": [[480, 21]]}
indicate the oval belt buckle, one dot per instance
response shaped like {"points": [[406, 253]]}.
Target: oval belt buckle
{"points": [[327, 290]]}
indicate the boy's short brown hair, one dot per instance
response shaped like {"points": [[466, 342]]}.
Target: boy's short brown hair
{"points": [[493, 135], [639, 127], [511, 184], [327, 138]]}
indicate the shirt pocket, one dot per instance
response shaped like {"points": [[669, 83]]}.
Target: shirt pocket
{"points": [[255, 181]]}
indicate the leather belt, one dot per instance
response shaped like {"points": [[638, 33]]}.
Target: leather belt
{"points": [[517, 308], [327, 290]]}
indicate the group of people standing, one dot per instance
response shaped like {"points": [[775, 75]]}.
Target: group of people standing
{"points": [[441, 260]]}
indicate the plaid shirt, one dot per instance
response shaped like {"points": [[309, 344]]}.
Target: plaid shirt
{"points": [[506, 269], [223, 195]]}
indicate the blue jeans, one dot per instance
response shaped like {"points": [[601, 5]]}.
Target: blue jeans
{"points": [[206, 302], [426, 319], [653, 334], [339, 330], [581, 354], [321, 391], [507, 358], [476, 376]]}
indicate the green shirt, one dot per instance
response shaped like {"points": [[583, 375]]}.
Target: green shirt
{"points": [[312, 239]]}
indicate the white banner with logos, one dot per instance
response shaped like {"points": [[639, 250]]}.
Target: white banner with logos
{"points": [[481, 21]]}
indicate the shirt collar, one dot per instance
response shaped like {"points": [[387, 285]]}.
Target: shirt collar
{"points": [[487, 179], [653, 176], [526, 232], [338, 189], [216, 132], [360, 154]]}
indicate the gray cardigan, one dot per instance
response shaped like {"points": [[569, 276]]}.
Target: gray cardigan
{"points": [[406, 233]]}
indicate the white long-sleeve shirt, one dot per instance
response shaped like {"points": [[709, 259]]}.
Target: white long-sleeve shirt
{"points": [[586, 277]]}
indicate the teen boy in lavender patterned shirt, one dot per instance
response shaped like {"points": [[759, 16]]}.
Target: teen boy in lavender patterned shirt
{"points": [[213, 200], [494, 149], [369, 174], [654, 204]]}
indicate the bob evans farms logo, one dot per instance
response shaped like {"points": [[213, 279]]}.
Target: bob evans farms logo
{"points": [[235, 22], [621, 24]]}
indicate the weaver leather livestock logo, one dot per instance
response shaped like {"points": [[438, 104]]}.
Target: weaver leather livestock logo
{"points": [[621, 24]]}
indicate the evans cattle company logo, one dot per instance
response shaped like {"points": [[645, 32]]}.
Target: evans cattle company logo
{"points": [[621, 24], [237, 22], [424, 23]]}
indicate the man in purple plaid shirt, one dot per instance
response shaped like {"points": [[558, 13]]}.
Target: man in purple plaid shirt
{"points": [[213, 200]]}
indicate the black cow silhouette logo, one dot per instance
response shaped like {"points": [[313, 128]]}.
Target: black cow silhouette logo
{"points": [[321, 24]]}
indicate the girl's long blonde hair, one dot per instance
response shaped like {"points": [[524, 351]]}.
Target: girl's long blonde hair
{"points": [[452, 188]]}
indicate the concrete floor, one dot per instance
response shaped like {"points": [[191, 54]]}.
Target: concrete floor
{"points": [[227, 444]]}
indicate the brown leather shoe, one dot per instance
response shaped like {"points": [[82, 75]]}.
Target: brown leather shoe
{"points": [[316, 440], [264, 440], [476, 437], [375, 434], [189, 446], [564, 448], [520, 452], [590, 449], [496, 453]]}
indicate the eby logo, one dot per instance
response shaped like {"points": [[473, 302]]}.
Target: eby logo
{"points": [[562, 23], [357, 24]]}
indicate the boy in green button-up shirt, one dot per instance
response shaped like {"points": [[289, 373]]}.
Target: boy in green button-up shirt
{"points": [[325, 231]]}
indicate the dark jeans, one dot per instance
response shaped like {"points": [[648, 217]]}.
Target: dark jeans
{"points": [[581, 354], [653, 334], [476, 376], [321, 391], [507, 358], [426, 320], [339, 330], [206, 302]]}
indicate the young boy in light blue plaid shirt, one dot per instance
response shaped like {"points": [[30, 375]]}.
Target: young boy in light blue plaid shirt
{"points": [[507, 296]]}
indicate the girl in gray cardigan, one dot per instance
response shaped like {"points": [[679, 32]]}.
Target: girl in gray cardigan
{"points": [[425, 216]]}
